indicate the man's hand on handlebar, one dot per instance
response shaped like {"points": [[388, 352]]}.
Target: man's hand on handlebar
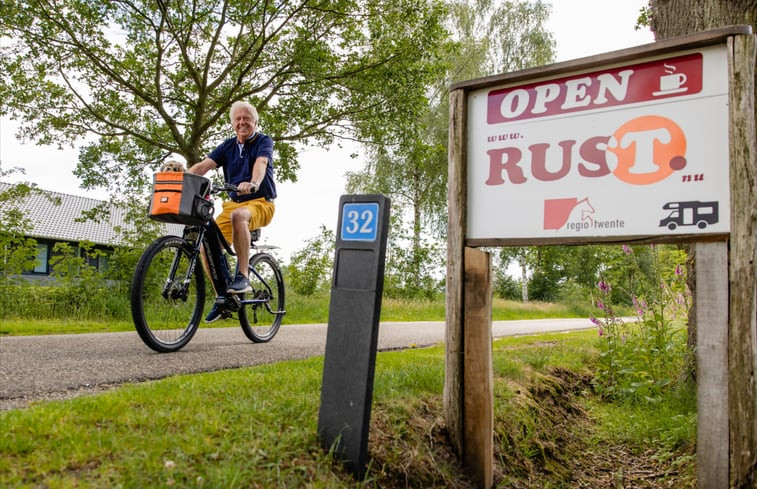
{"points": [[247, 188]]}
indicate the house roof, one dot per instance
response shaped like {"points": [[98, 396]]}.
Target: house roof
{"points": [[55, 221]]}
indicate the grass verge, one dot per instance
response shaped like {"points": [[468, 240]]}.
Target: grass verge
{"points": [[300, 310], [256, 427]]}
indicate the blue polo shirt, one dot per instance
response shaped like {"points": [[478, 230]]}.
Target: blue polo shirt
{"points": [[237, 160]]}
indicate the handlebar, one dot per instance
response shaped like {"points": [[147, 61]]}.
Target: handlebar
{"points": [[227, 187]]}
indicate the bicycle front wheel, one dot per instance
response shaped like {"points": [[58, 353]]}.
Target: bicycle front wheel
{"points": [[167, 297], [263, 309]]}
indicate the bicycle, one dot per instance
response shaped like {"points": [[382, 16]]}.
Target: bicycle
{"points": [[168, 286]]}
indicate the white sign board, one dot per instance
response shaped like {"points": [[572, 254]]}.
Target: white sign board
{"points": [[639, 149]]}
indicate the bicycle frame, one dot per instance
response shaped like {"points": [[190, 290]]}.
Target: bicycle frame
{"points": [[211, 237]]}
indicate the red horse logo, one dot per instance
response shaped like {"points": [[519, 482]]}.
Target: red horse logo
{"points": [[558, 211]]}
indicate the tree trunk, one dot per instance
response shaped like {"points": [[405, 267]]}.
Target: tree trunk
{"points": [[417, 214], [673, 18], [524, 279]]}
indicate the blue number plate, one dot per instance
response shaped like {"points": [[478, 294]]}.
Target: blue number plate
{"points": [[360, 222]]}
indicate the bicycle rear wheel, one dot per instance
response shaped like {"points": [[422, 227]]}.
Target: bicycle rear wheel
{"points": [[166, 299], [261, 319]]}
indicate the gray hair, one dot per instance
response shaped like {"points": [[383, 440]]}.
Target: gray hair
{"points": [[243, 105]]}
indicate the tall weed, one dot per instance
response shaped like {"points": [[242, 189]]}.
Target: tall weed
{"points": [[640, 361]]}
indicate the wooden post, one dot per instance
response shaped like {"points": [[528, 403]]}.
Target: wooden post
{"points": [[478, 371], [712, 365], [727, 353], [453, 374], [742, 341]]}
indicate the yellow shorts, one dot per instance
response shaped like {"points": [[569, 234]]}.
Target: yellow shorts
{"points": [[261, 211]]}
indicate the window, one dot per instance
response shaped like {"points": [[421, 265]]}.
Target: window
{"points": [[96, 258], [102, 263], [90, 258], [40, 264]]}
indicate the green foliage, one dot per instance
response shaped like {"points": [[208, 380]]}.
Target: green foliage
{"points": [[309, 269], [17, 253], [79, 292], [55, 304], [549, 267], [643, 20], [496, 37], [410, 272], [81, 287], [553, 268], [569, 273], [641, 361], [17, 250], [145, 79], [505, 286], [671, 420], [121, 265], [641, 275], [489, 37]]}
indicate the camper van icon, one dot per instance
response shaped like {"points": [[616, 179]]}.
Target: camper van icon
{"points": [[690, 213]]}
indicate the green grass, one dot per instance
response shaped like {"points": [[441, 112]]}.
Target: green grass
{"points": [[27, 327], [434, 310], [256, 427], [300, 310], [251, 427], [672, 420], [223, 429]]}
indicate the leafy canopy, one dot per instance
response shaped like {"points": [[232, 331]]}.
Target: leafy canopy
{"points": [[490, 36], [142, 79]]}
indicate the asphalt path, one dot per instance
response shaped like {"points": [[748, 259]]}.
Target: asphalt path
{"points": [[62, 366]]}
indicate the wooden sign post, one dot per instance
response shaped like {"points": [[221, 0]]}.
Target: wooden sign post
{"points": [[654, 144]]}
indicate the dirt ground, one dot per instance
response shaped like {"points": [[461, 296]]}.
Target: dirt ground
{"points": [[409, 447]]}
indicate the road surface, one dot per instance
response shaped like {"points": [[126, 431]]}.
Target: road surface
{"points": [[62, 366]]}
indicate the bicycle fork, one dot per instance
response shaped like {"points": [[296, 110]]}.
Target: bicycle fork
{"points": [[173, 289]]}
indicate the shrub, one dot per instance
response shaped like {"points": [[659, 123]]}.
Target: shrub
{"points": [[506, 287], [309, 270]]}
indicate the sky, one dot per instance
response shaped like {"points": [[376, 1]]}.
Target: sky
{"points": [[580, 27]]}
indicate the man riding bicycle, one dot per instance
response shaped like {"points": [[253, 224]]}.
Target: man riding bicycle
{"points": [[247, 162]]}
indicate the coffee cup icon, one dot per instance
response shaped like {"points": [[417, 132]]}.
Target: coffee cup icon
{"points": [[672, 83]]}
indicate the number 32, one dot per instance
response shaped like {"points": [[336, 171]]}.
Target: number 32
{"points": [[360, 222]]}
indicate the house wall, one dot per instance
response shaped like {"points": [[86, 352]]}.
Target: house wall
{"points": [[45, 253]]}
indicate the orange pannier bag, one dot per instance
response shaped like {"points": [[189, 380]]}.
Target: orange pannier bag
{"points": [[180, 198]]}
